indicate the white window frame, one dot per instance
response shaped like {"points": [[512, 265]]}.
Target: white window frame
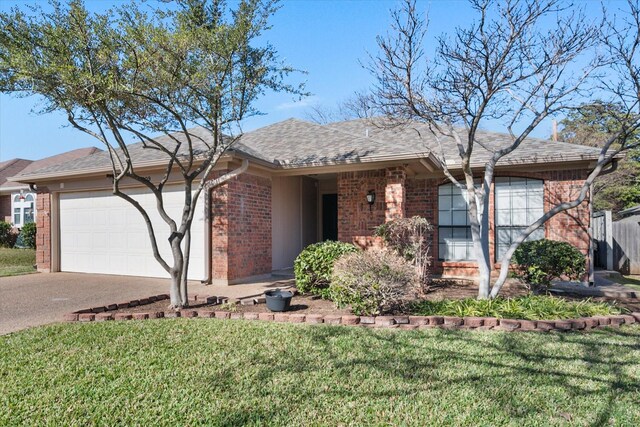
{"points": [[19, 206], [512, 214]]}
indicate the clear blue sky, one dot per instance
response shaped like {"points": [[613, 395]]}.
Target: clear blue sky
{"points": [[327, 38]]}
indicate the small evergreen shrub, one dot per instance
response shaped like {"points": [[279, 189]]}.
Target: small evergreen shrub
{"points": [[373, 282], [531, 307], [314, 265], [27, 236], [7, 236], [541, 261], [411, 239]]}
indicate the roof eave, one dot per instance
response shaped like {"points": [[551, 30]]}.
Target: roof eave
{"points": [[35, 178]]}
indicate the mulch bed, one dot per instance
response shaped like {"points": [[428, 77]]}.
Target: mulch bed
{"points": [[300, 304], [443, 289], [313, 310]]}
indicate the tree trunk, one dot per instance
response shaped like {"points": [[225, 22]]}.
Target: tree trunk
{"points": [[178, 288], [174, 293]]}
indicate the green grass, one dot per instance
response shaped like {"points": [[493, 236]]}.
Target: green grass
{"points": [[16, 261], [208, 372], [530, 307], [632, 282]]}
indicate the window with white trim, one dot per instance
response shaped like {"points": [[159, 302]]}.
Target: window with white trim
{"points": [[454, 231], [23, 209], [518, 203]]}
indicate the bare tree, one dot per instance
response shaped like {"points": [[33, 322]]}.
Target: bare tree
{"points": [[357, 106], [189, 73], [519, 62]]}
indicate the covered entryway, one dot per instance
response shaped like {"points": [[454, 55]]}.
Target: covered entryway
{"points": [[102, 233]]}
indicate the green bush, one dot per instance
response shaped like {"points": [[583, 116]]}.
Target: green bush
{"points": [[314, 265], [373, 282], [27, 236], [541, 261], [531, 307], [7, 236]]}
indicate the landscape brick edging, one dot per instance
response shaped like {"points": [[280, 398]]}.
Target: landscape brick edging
{"points": [[102, 313]]}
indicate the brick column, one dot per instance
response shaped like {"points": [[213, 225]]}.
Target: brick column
{"points": [[241, 228], [43, 232], [395, 193]]}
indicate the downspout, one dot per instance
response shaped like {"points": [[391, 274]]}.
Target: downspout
{"points": [[208, 188]]}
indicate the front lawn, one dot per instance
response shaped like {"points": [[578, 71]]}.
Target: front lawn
{"points": [[17, 261], [207, 372]]}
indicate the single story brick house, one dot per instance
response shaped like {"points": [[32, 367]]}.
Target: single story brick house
{"points": [[17, 201], [307, 183]]}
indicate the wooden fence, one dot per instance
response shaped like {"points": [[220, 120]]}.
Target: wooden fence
{"points": [[626, 245]]}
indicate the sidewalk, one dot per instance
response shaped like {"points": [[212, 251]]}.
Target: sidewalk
{"points": [[604, 287]]}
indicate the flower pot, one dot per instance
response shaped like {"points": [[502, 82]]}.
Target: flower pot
{"points": [[278, 300]]}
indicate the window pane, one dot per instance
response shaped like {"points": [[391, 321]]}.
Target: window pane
{"points": [[445, 189], [502, 199], [444, 203], [460, 218], [444, 217], [519, 217], [503, 217], [454, 243], [28, 215], [28, 198], [535, 197], [458, 202], [459, 251], [16, 198], [16, 216], [533, 215], [536, 235]]}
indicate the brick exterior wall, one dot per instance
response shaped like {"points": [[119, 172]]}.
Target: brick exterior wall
{"points": [[241, 217], [356, 219], [43, 232], [241, 228], [5, 208], [356, 223]]}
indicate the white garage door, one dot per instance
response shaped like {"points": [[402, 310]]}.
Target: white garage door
{"points": [[101, 233]]}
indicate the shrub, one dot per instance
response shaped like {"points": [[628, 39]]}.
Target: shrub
{"points": [[531, 307], [541, 261], [27, 236], [411, 239], [373, 282], [7, 236], [314, 265]]}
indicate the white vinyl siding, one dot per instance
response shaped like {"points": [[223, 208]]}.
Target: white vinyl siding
{"points": [[518, 203]]}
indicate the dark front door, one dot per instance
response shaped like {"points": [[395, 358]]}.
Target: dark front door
{"points": [[329, 217]]}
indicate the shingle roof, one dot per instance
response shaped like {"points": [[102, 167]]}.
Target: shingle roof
{"points": [[10, 168], [30, 166], [418, 137], [296, 143]]}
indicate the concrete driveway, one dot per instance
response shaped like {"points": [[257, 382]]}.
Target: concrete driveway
{"points": [[41, 298]]}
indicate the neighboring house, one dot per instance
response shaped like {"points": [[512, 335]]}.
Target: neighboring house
{"points": [[17, 201], [307, 183]]}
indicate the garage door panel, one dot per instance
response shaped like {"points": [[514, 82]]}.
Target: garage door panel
{"points": [[101, 233]]}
